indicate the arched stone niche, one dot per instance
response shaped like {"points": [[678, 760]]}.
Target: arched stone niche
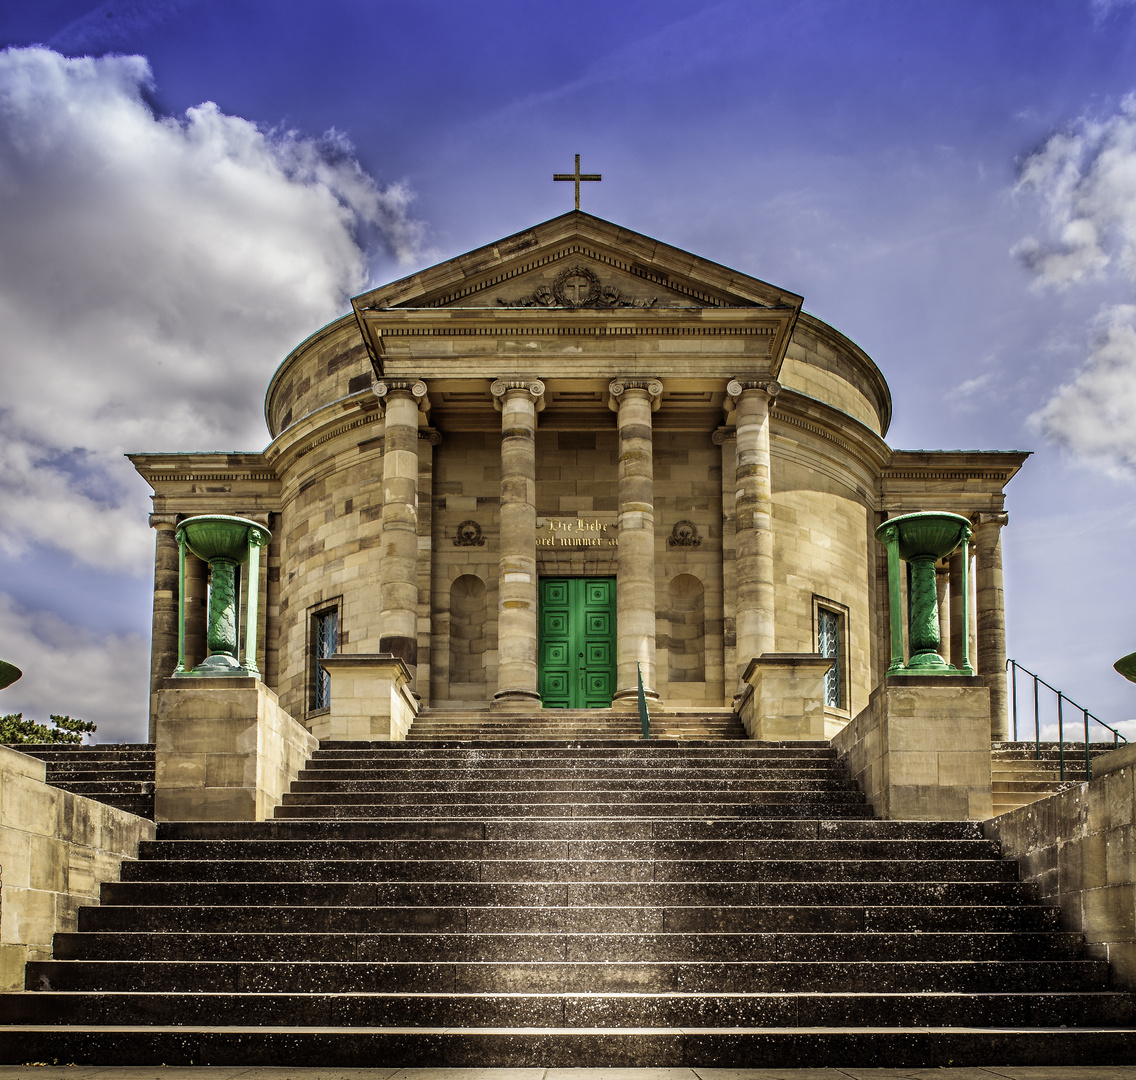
{"points": [[468, 642], [686, 607]]}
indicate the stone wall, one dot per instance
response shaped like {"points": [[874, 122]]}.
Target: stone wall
{"points": [[225, 751], [920, 751], [55, 850], [1080, 847]]}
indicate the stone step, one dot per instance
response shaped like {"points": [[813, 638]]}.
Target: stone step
{"points": [[95, 788], [560, 976], [646, 894], [546, 947], [532, 787], [325, 1046], [590, 828], [345, 771], [558, 748], [367, 812], [502, 919], [310, 851], [487, 797], [648, 1010]]}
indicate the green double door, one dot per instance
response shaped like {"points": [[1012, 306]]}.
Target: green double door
{"points": [[577, 642]]}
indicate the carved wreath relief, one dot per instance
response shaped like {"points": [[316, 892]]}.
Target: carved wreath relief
{"points": [[684, 534], [469, 535], [577, 287]]}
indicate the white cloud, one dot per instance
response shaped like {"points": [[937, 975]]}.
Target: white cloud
{"points": [[1092, 416], [68, 671], [1086, 180], [155, 272]]}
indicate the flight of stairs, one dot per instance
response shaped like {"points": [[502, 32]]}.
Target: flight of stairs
{"points": [[118, 774], [589, 903], [1019, 777]]}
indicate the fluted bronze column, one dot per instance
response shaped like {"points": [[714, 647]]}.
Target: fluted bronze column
{"points": [[519, 401], [398, 567], [633, 401], [753, 518]]}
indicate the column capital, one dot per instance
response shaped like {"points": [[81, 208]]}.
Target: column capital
{"points": [[500, 388], [723, 435], [431, 435], [987, 517], [736, 387], [416, 388], [618, 387], [163, 521]]}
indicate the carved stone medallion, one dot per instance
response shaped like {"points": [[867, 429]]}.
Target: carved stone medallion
{"points": [[684, 534], [469, 535]]}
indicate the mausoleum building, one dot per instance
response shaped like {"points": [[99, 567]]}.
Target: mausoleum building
{"points": [[531, 474]]}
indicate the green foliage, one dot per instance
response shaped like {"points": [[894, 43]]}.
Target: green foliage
{"points": [[15, 729]]}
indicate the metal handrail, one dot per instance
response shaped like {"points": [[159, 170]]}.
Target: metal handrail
{"points": [[1062, 700]]}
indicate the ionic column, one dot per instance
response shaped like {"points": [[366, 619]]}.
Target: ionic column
{"points": [[164, 634], [428, 438], [727, 440], [519, 401], [398, 565], [754, 518], [991, 618], [633, 401]]}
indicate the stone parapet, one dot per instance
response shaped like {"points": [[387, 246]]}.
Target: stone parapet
{"points": [[920, 750], [1078, 847], [784, 696], [56, 848], [371, 699], [225, 750]]}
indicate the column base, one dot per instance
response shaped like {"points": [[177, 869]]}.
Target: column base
{"points": [[517, 701], [628, 700]]}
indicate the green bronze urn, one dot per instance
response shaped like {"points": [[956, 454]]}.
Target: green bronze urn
{"points": [[224, 542], [9, 673], [921, 540]]}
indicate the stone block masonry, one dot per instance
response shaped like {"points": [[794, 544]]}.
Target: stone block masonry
{"points": [[1078, 846], [55, 849], [226, 750], [920, 751]]}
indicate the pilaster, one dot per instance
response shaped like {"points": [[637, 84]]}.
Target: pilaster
{"points": [[164, 635]]}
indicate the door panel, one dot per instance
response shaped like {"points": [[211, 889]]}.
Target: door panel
{"points": [[577, 642]]}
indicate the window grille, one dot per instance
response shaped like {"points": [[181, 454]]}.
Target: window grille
{"points": [[828, 632], [325, 635]]}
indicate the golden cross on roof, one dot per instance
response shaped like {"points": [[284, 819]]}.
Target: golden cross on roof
{"points": [[577, 176]]}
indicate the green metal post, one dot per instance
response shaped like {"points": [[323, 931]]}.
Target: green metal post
{"points": [[965, 667], [644, 716], [256, 539], [895, 601], [180, 669]]}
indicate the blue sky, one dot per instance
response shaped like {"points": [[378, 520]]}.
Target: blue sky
{"points": [[951, 184]]}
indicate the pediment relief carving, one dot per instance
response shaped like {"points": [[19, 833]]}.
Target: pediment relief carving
{"points": [[578, 286], [578, 276]]}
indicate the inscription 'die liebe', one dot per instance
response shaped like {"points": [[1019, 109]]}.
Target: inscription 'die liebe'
{"points": [[573, 532]]}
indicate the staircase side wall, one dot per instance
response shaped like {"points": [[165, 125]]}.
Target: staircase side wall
{"points": [[1079, 846], [55, 850]]}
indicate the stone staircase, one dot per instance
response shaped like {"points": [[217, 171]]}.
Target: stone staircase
{"points": [[528, 902], [569, 724], [1019, 777], [118, 774]]}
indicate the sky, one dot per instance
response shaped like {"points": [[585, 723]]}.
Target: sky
{"points": [[190, 187]]}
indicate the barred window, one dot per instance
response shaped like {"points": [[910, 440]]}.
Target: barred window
{"points": [[325, 640], [829, 644]]}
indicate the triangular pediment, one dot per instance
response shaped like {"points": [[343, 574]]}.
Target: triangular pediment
{"points": [[577, 260]]}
